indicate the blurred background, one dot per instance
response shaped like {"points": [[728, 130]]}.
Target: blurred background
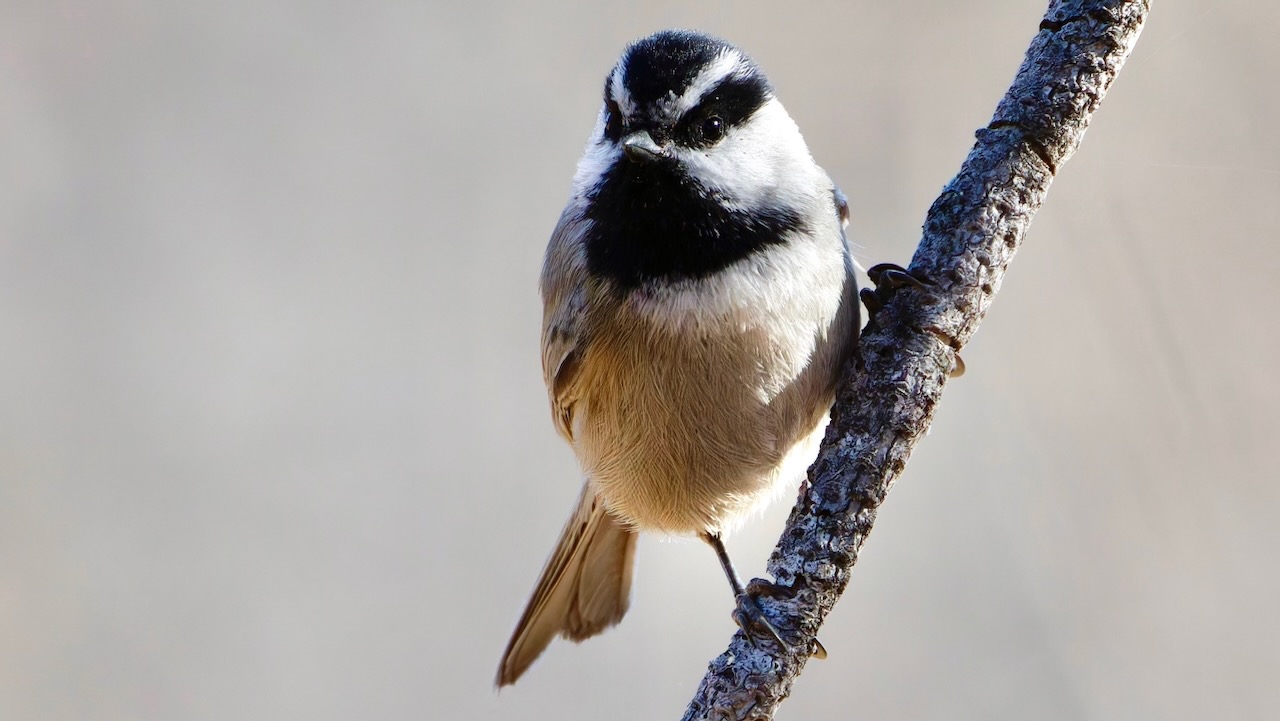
{"points": [[273, 437]]}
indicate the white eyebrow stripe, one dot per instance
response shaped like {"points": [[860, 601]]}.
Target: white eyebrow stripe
{"points": [[619, 90], [727, 63]]}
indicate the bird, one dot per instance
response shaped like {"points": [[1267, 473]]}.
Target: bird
{"points": [[699, 305]]}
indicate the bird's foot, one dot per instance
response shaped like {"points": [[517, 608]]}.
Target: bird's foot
{"points": [[751, 619], [893, 276], [888, 278]]}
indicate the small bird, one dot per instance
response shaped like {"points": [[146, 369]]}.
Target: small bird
{"points": [[699, 304]]}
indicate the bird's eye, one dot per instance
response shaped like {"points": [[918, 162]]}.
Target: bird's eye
{"points": [[712, 129], [612, 121]]}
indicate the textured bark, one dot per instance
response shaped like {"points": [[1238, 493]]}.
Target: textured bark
{"points": [[887, 403]]}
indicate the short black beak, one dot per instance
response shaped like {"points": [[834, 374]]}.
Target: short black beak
{"points": [[640, 148]]}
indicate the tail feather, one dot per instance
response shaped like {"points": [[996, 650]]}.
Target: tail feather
{"points": [[584, 588]]}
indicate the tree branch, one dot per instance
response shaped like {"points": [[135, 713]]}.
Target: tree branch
{"points": [[886, 404]]}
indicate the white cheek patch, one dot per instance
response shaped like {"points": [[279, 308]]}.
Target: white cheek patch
{"points": [[596, 160], [761, 163]]}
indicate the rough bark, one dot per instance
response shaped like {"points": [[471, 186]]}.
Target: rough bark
{"points": [[886, 404]]}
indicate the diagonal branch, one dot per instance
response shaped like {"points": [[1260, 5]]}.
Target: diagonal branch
{"points": [[885, 405]]}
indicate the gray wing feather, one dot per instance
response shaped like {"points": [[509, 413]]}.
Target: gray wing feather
{"points": [[564, 338]]}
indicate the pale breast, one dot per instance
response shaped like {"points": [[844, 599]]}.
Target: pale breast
{"points": [[684, 426]]}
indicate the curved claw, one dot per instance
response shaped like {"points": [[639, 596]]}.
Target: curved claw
{"points": [[750, 619], [749, 616], [757, 587], [889, 277], [895, 276], [870, 300]]}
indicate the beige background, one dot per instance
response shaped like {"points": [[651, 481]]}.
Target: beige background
{"points": [[273, 441]]}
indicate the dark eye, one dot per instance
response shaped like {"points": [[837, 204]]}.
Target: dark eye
{"points": [[612, 121], [712, 129]]}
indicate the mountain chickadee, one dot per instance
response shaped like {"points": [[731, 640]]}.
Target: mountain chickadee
{"points": [[698, 306]]}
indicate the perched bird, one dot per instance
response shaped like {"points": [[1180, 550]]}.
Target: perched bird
{"points": [[698, 305]]}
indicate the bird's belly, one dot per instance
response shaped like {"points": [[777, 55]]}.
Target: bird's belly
{"points": [[685, 436]]}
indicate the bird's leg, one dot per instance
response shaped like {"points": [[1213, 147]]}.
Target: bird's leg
{"points": [[748, 614]]}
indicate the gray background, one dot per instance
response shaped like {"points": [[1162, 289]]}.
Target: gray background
{"points": [[273, 440]]}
